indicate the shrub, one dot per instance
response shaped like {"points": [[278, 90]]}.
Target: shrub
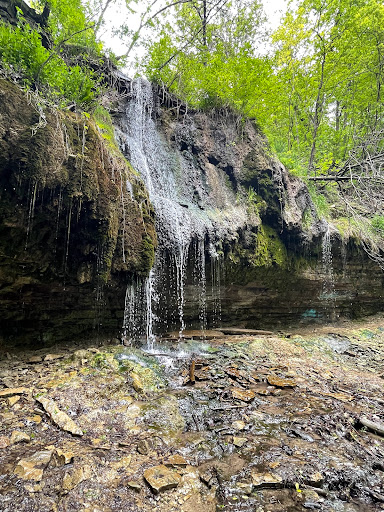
{"points": [[22, 54]]}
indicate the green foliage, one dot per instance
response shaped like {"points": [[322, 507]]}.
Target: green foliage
{"points": [[320, 201], [378, 224], [255, 203], [104, 122], [23, 55]]}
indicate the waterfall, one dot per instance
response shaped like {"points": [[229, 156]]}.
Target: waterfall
{"points": [[328, 289], [217, 274], [188, 216]]}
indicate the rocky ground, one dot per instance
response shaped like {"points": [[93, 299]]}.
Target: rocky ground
{"points": [[282, 422]]}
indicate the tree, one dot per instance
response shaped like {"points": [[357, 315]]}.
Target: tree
{"points": [[324, 51], [207, 53]]}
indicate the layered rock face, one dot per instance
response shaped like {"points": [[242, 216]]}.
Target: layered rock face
{"points": [[75, 224], [239, 240]]}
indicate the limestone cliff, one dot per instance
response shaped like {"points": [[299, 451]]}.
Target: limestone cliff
{"points": [[75, 223], [240, 241]]}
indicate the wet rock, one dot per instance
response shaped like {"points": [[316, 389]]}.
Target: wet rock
{"points": [[160, 478], [32, 468], [144, 446], [35, 359], [12, 400], [233, 372], [239, 441], [63, 457], [73, 478], [238, 425], [4, 442], [266, 481], [176, 460], [137, 383], [80, 356], [245, 395], [60, 418], [134, 485], [195, 334], [19, 437], [249, 332], [53, 357], [6, 393], [279, 382]]}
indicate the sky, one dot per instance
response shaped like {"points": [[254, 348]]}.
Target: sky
{"points": [[274, 10]]}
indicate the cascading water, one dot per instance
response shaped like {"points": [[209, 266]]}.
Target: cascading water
{"points": [[328, 290], [217, 274], [184, 224]]}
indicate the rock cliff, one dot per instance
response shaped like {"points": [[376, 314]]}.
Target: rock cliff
{"points": [[240, 241], [75, 224]]}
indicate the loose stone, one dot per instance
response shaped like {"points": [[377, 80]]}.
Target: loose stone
{"points": [[61, 419], [246, 395], [6, 393], [75, 477], [12, 400], [239, 441], [279, 382], [176, 460], [19, 437], [4, 442], [266, 481], [61, 457], [134, 485], [30, 468], [160, 478], [238, 425]]}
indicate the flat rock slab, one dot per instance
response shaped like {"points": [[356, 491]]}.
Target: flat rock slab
{"points": [[32, 468], [61, 419], [266, 481], [6, 393], [176, 460], [246, 395], [195, 334], [161, 478], [279, 382], [19, 437], [250, 332]]}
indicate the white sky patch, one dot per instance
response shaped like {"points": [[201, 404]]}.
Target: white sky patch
{"points": [[118, 14], [274, 11]]}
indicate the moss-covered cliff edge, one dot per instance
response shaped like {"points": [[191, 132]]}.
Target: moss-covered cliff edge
{"points": [[75, 222]]}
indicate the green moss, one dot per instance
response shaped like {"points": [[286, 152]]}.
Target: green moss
{"points": [[307, 219], [269, 249], [147, 254]]}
